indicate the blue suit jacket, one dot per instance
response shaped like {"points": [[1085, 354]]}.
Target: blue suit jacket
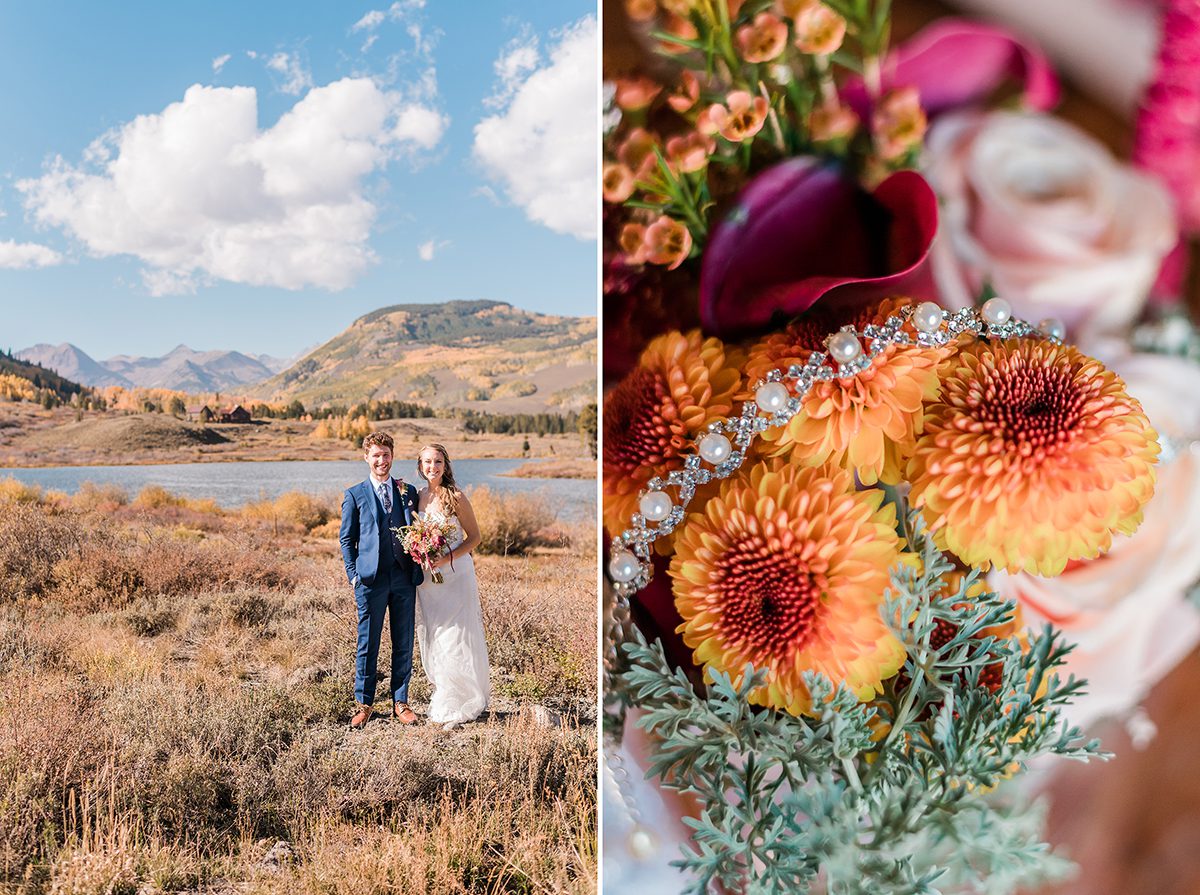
{"points": [[363, 525]]}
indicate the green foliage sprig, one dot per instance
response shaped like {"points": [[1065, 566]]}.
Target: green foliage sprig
{"points": [[895, 795]]}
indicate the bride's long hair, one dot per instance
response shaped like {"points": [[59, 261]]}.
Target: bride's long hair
{"points": [[448, 493]]}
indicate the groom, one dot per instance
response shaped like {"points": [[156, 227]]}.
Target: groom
{"points": [[384, 577]]}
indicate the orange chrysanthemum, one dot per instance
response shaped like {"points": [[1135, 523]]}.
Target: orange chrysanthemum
{"points": [[1033, 457], [866, 423], [785, 569], [682, 383]]}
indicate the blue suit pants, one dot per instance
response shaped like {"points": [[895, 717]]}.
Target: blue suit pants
{"points": [[392, 593]]}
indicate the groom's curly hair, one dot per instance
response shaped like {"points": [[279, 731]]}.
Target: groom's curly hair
{"points": [[382, 439], [449, 493]]}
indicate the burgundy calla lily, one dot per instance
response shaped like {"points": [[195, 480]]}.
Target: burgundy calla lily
{"points": [[956, 63], [805, 230]]}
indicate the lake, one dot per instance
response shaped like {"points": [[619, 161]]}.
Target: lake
{"points": [[232, 485]]}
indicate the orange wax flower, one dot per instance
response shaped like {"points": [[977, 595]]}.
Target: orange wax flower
{"points": [[763, 39], [819, 30], [785, 569], [740, 119], [898, 122], [618, 182], [1033, 456]]}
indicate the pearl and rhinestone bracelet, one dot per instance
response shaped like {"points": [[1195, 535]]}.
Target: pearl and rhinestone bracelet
{"points": [[719, 451]]}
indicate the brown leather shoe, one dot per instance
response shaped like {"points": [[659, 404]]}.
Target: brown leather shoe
{"points": [[361, 717], [402, 713]]}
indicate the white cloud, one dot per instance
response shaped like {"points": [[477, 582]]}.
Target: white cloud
{"points": [[219, 62], [517, 60], [420, 125], [542, 146], [198, 192], [296, 78], [372, 19], [426, 249], [21, 255]]}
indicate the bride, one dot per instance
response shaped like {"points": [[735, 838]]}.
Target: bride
{"points": [[450, 630]]}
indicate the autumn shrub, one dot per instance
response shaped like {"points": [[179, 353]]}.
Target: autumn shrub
{"points": [[176, 566], [99, 498], [509, 523], [154, 497], [14, 491], [303, 509], [102, 575], [33, 540]]}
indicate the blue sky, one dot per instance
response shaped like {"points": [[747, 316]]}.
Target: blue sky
{"points": [[255, 176]]}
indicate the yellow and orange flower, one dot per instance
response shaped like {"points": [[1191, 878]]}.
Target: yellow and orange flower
{"points": [[1033, 456], [866, 423], [681, 384], [785, 569]]}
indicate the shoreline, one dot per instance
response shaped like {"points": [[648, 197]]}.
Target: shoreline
{"points": [[193, 461]]}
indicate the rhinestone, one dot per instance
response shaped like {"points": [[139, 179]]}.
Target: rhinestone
{"points": [[624, 567], [771, 397], [996, 311], [715, 448], [655, 505], [928, 316]]}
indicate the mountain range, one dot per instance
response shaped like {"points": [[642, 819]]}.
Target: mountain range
{"points": [[478, 355], [181, 369]]}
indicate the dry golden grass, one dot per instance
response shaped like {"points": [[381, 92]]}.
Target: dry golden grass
{"points": [[567, 468], [173, 712]]}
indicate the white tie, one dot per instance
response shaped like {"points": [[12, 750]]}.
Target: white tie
{"points": [[386, 497]]}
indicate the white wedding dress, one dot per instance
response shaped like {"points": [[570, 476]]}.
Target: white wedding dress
{"points": [[450, 637]]}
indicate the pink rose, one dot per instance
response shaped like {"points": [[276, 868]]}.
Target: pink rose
{"points": [[1044, 213], [1127, 610]]}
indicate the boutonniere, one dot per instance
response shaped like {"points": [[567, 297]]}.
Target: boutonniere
{"points": [[404, 492]]}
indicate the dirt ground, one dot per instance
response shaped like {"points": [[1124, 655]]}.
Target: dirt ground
{"points": [[32, 436]]}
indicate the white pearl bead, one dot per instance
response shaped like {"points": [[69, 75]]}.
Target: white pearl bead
{"points": [[623, 567], [928, 316], [772, 397], [715, 448], [996, 311], [844, 347], [655, 505], [642, 843], [1053, 327]]}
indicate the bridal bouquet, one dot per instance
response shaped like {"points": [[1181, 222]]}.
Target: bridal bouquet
{"points": [[424, 541], [839, 455]]}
